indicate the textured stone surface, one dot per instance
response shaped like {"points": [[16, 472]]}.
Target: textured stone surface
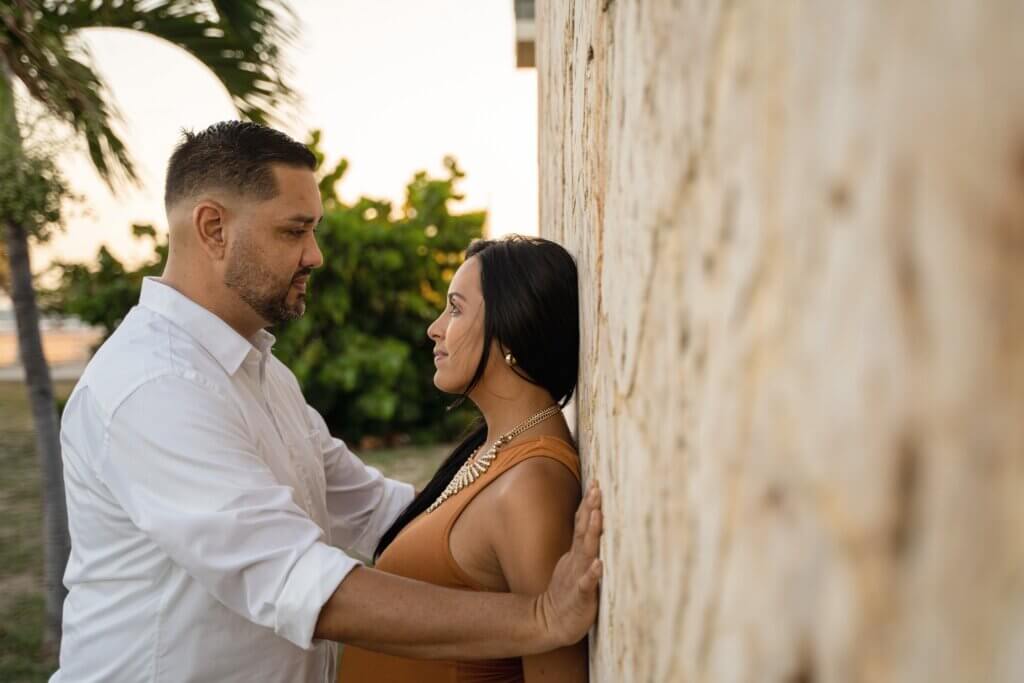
{"points": [[800, 230]]}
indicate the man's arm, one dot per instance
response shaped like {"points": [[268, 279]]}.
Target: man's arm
{"points": [[399, 616], [179, 459], [180, 462], [361, 502]]}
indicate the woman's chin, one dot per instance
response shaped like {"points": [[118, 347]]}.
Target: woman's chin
{"points": [[442, 385]]}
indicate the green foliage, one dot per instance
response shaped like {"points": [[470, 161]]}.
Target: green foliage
{"points": [[360, 352], [33, 190], [103, 294]]}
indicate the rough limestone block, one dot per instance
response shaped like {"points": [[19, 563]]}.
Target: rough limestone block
{"points": [[800, 231]]}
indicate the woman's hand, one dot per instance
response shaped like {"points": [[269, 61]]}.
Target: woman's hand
{"points": [[569, 606]]}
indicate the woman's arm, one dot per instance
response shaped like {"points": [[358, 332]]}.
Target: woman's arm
{"points": [[536, 504]]}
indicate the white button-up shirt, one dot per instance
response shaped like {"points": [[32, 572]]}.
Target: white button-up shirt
{"points": [[207, 505]]}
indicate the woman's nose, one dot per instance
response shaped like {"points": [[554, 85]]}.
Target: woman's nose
{"points": [[434, 330]]}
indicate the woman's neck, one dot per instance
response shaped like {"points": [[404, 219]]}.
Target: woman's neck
{"points": [[505, 411]]}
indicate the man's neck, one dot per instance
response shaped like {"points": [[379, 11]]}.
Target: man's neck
{"points": [[217, 299]]}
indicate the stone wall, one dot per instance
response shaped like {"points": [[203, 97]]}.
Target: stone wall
{"points": [[800, 231]]}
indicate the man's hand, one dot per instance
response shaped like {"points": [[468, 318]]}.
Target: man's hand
{"points": [[569, 606]]}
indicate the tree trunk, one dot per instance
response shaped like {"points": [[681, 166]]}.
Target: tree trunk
{"points": [[800, 235], [5, 270], [40, 388], [47, 428]]}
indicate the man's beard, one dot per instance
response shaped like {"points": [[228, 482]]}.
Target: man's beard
{"points": [[261, 289]]}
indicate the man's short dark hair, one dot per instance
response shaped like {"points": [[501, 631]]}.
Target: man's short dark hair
{"points": [[235, 156]]}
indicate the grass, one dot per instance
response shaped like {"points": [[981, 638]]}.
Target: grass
{"points": [[414, 464], [21, 558], [21, 552]]}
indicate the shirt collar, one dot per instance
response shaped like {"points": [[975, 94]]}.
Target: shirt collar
{"points": [[213, 334]]}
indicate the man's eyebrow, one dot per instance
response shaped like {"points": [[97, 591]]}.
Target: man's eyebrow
{"points": [[304, 219]]}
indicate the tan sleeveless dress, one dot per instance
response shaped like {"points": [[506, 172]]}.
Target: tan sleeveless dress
{"points": [[422, 552]]}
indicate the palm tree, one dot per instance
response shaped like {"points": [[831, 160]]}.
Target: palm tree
{"points": [[5, 270], [240, 41]]}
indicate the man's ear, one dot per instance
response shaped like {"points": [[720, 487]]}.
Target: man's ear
{"points": [[208, 221]]}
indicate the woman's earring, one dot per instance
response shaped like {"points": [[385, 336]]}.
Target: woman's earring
{"points": [[510, 359]]}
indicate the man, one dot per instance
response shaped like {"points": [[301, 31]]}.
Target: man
{"points": [[208, 503]]}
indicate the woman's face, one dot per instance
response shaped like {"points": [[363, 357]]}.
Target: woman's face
{"points": [[458, 334]]}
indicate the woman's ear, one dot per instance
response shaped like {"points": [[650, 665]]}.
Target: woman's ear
{"points": [[504, 353]]}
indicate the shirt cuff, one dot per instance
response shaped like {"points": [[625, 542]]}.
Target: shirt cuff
{"points": [[312, 581]]}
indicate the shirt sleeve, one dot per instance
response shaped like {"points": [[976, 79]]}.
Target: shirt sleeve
{"points": [[180, 461], [361, 502]]}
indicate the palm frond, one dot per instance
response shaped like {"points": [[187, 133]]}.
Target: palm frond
{"points": [[57, 73], [240, 41]]}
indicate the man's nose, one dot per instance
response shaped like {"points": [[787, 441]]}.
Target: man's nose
{"points": [[312, 257]]}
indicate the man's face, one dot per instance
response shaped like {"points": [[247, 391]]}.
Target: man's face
{"points": [[273, 249]]}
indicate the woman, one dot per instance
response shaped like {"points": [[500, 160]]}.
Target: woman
{"points": [[498, 513]]}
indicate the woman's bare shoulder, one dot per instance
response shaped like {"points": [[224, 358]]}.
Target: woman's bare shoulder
{"points": [[540, 484]]}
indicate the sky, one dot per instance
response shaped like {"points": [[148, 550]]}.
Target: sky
{"points": [[395, 85]]}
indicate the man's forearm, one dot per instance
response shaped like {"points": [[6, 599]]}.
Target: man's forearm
{"points": [[400, 616]]}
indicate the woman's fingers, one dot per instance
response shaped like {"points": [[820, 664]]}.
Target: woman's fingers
{"points": [[589, 581], [592, 536], [583, 515]]}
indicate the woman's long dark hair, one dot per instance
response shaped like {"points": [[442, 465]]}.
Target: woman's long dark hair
{"points": [[531, 306]]}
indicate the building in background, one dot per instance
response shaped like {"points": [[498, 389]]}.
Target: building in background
{"points": [[526, 33]]}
